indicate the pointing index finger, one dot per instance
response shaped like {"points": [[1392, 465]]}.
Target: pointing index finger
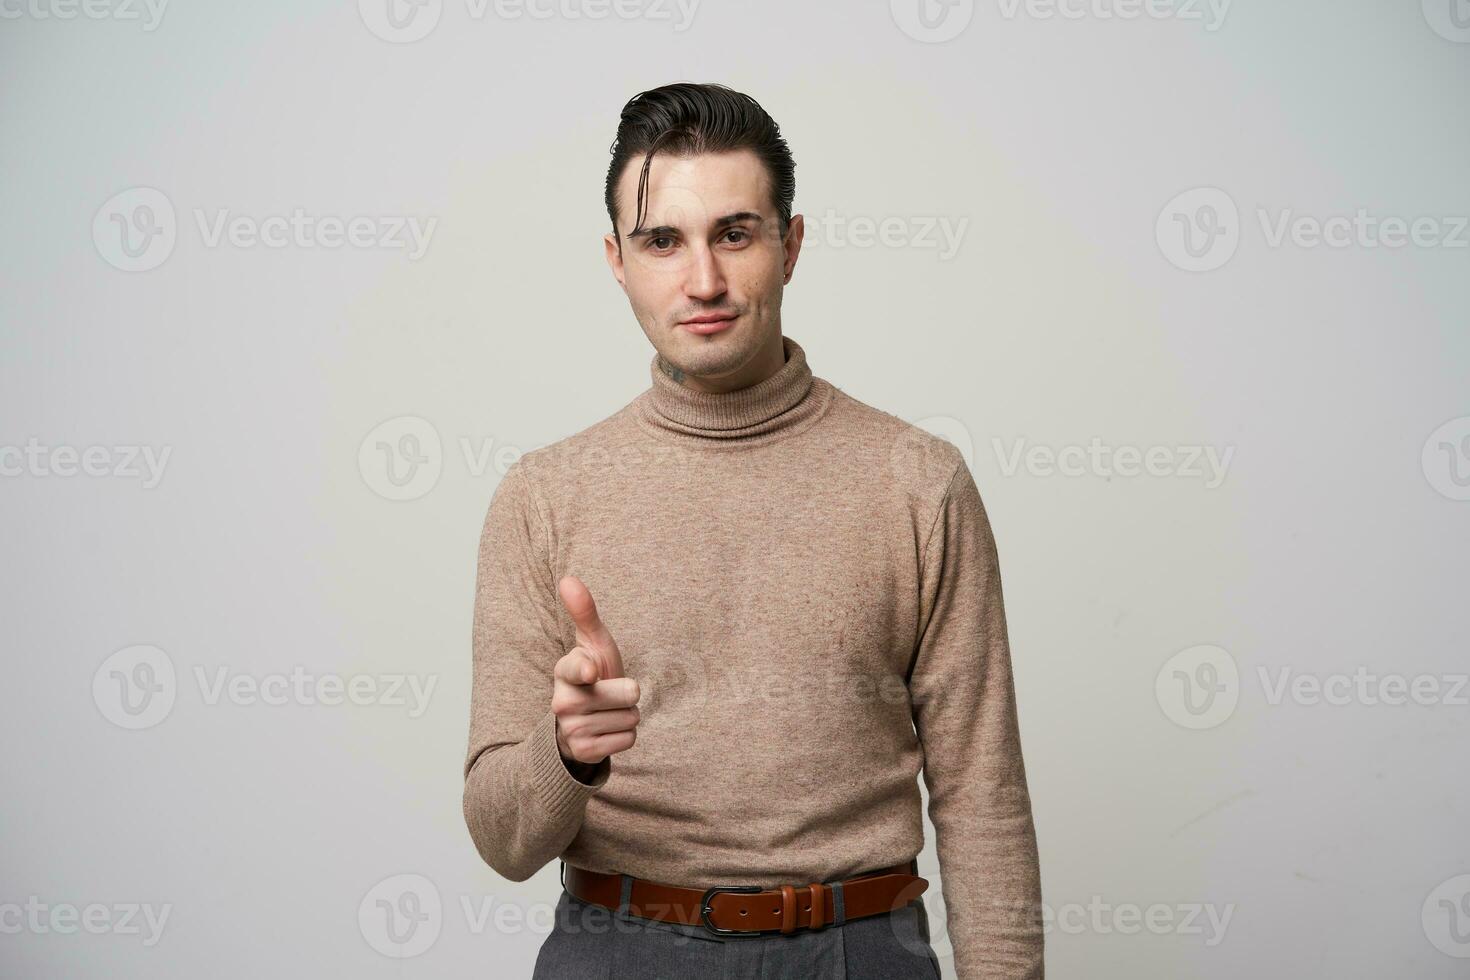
{"points": [[592, 633]]}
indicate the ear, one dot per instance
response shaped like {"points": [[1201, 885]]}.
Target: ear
{"points": [[795, 231], [614, 258]]}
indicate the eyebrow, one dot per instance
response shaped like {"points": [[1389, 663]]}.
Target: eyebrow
{"points": [[733, 218]]}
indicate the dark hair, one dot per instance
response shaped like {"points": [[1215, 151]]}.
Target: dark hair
{"points": [[686, 118]]}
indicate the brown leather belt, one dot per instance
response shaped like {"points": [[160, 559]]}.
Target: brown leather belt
{"points": [[748, 910]]}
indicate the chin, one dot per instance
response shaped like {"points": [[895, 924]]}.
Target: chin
{"points": [[711, 356]]}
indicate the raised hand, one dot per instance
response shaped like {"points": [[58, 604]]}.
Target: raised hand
{"points": [[596, 707]]}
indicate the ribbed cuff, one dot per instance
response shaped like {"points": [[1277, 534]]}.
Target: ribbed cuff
{"points": [[558, 790]]}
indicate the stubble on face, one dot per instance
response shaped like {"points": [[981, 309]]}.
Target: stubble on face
{"points": [[718, 184]]}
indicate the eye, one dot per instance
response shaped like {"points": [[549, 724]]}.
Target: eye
{"points": [[740, 232], [653, 242]]}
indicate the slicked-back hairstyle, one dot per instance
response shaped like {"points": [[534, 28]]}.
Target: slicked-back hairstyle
{"points": [[687, 118]]}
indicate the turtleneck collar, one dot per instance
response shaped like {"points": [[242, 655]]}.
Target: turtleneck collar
{"points": [[788, 400]]}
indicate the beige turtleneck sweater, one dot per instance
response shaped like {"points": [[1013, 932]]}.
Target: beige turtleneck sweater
{"points": [[807, 591]]}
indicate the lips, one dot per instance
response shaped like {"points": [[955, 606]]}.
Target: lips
{"points": [[709, 323]]}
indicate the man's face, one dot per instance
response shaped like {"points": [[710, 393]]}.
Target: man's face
{"points": [[710, 246]]}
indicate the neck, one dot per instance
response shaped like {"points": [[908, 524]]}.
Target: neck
{"points": [[767, 361], [782, 400]]}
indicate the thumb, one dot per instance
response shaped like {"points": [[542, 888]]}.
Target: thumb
{"points": [[592, 633]]}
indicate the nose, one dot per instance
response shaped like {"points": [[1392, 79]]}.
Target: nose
{"points": [[703, 278]]}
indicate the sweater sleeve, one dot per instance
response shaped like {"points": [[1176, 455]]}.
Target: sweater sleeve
{"points": [[521, 803], [965, 715]]}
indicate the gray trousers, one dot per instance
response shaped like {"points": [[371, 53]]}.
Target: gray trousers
{"points": [[589, 942]]}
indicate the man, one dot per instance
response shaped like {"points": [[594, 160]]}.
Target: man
{"points": [[797, 609]]}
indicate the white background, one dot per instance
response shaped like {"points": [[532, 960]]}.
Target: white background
{"points": [[1331, 834]]}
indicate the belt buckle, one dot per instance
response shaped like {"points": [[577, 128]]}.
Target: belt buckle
{"points": [[705, 910]]}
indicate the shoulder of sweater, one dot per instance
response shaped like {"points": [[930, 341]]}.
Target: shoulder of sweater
{"points": [[924, 462], [605, 434]]}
